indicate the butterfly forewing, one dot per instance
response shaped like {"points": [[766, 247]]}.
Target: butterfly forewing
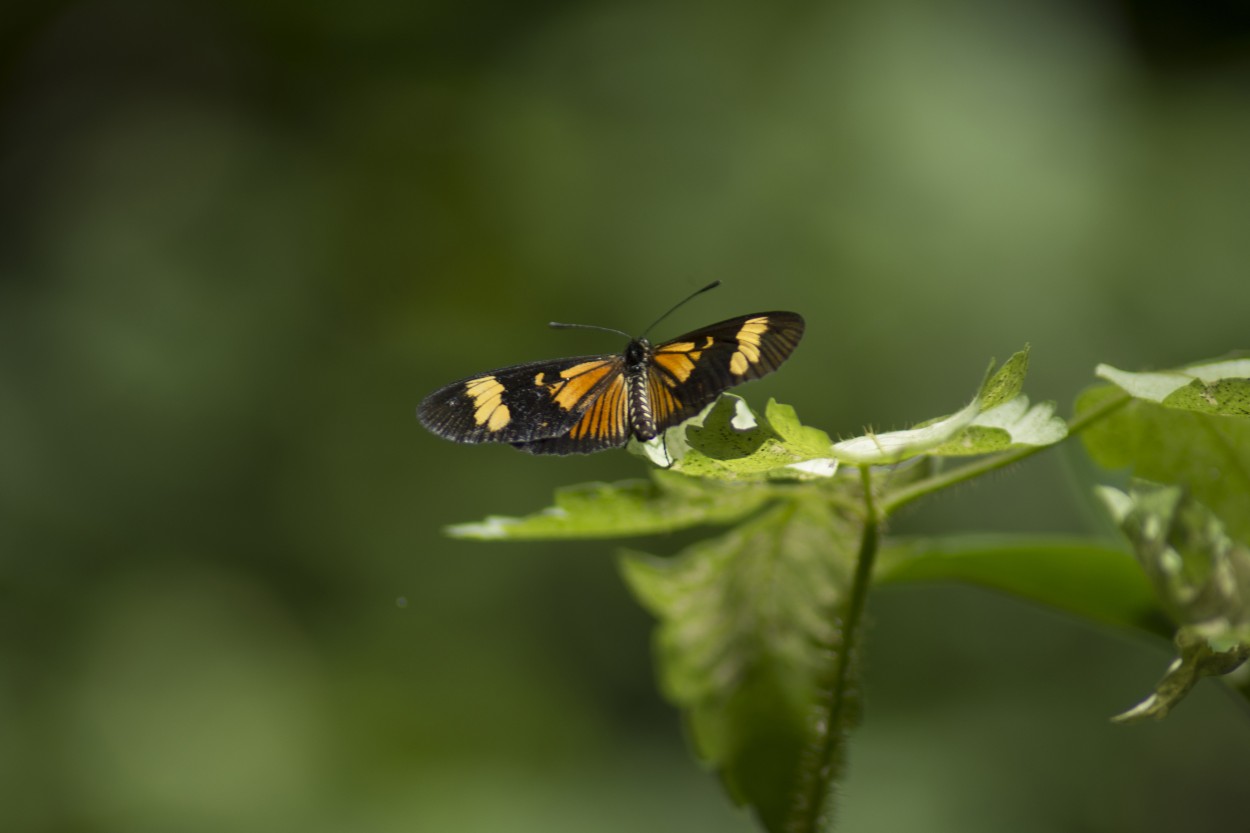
{"points": [[520, 404], [697, 367]]}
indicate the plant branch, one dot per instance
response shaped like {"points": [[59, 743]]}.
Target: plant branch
{"points": [[841, 692], [994, 462]]}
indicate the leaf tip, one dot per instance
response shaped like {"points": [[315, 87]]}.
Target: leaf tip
{"points": [[493, 528]]}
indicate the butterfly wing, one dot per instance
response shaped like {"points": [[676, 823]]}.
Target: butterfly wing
{"points": [[690, 371], [540, 406], [604, 421], [580, 405]]}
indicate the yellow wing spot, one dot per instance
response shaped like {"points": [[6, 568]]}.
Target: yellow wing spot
{"points": [[488, 408], [579, 380], [540, 379], [748, 352], [499, 417]]}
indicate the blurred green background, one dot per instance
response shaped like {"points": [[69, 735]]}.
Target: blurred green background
{"points": [[240, 241]]}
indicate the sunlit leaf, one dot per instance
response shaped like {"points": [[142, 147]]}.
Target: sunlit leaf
{"points": [[1217, 387], [666, 502], [1012, 424], [895, 446], [731, 442], [1208, 455], [748, 639], [960, 433]]}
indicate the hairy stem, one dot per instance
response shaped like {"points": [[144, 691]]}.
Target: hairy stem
{"points": [[841, 691], [917, 490]]}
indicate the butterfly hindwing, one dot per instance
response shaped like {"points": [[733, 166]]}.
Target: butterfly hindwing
{"points": [[690, 371], [524, 404]]}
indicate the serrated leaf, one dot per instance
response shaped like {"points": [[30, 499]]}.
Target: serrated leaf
{"points": [[960, 432], [731, 442], [1208, 455], [1009, 425], [1216, 387], [665, 503], [1084, 577], [748, 640]]}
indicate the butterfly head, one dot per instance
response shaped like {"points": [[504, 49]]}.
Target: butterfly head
{"points": [[638, 353]]}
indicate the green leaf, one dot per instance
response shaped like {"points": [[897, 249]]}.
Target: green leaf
{"points": [[1084, 577], [731, 442], [1202, 578], [1199, 573], [1006, 426], [1215, 387], [1208, 455], [997, 418], [748, 642], [1197, 660], [665, 503], [806, 442], [1007, 383], [1223, 396], [895, 446]]}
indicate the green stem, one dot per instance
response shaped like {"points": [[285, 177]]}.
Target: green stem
{"points": [[860, 585], [917, 490], [841, 691]]}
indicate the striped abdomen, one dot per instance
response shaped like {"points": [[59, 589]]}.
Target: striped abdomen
{"points": [[637, 372]]}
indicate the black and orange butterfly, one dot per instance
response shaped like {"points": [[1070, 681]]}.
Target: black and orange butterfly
{"points": [[589, 403]]}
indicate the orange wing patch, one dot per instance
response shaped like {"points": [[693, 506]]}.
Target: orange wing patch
{"points": [[608, 417], [663, 403], [678, 359], [576, 382]]}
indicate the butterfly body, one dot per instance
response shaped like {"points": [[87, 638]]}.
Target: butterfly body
{"points": [[589, 403], [638, 357]]}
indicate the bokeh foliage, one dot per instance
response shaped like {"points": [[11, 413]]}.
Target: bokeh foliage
{"points": [[239, 241]]}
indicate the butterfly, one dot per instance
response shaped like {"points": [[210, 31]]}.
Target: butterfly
{"points": [[590, 403]]}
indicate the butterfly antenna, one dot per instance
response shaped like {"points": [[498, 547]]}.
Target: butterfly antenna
{"points": [[556, 325], [679, 304]]}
